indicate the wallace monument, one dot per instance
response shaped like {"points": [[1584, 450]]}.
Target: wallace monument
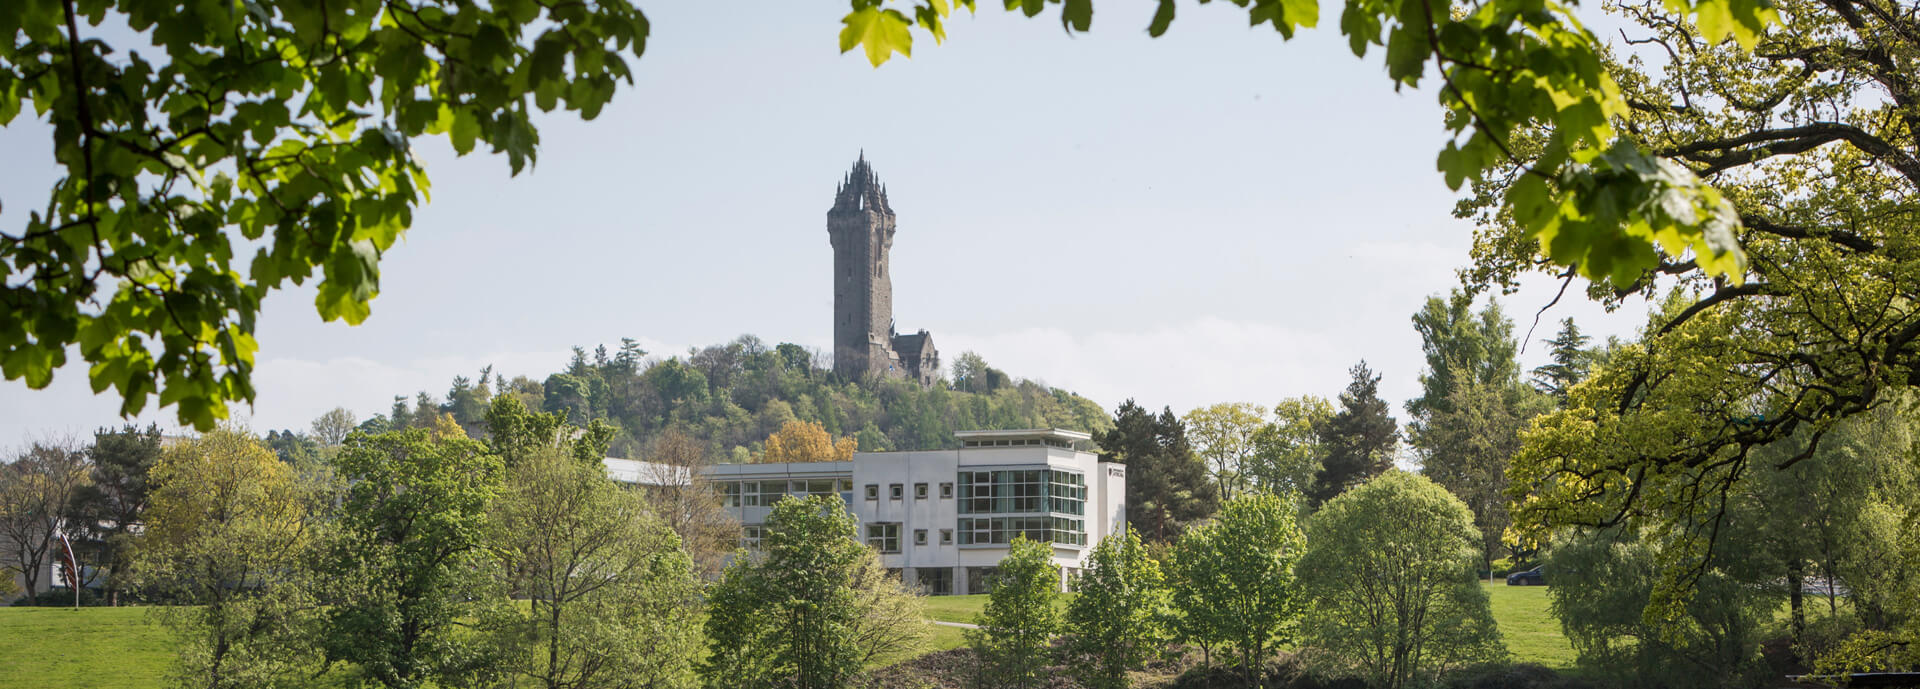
{"points": [[864, 343]]}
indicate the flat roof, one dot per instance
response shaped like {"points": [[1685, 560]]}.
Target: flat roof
{"points": [[1023, 434], [784, 469]]}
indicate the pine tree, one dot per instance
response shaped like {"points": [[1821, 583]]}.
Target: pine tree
{"points": [[1571, 361], [1360, 438], [1167, 486]]}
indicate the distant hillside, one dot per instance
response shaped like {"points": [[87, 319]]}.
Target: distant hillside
{"points": [[732, 396]]}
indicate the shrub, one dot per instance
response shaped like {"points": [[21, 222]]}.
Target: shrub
{"points": [[1388, 573]]}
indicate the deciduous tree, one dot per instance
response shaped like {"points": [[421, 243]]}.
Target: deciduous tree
{"points": [[37, 490], [252, 149], [1810, 137], [810, 609], [1288, 451], [1468, 446], [1116, 620], [804, 441], [687, 504], [612, 600], [227, 541], [1223, 436], [407, 557], [1388, 575], [1021, 616], [331, 428], [1235, 585]]}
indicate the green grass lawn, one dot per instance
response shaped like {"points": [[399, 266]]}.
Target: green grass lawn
{"points": [[105, 648], [1531, 632], [117, 648]]}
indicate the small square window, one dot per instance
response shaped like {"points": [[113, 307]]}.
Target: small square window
{"points": [[873, 491], [919, 536], [946, 537], [946, 491], [919, 491], [898, 490]]}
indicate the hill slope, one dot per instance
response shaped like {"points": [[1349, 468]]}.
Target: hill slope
{"points": [[732, 396]]}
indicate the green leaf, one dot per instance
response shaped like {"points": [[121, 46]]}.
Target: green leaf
{"points": [[881, 32], [466, 128], [1076, 15], [1162, 18]]}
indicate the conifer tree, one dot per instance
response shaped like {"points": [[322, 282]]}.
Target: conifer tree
{"points": [[1571, 360], [1360, 438], [1167, 486]]}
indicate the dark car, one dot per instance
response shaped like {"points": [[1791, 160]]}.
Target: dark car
{"points": [[1531, 577]]}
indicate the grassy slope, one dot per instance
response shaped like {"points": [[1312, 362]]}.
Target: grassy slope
{"points": [[108, 648], [95, 647]]}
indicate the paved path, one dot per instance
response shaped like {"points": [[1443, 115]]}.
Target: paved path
{"points": [[961, 625]]}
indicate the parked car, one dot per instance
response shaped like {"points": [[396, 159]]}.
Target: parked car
{"points": [[1531, 577]]}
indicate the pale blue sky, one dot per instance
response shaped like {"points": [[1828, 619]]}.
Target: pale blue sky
{"points": [[1215, 215]]}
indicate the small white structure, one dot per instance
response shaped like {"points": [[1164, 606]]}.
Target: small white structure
{"points": [[943, 518]]}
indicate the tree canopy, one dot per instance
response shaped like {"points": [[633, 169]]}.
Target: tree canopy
{"points": [[253, 149]]}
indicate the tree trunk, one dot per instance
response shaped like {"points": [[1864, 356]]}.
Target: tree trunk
{"points": [[1796, 581]]}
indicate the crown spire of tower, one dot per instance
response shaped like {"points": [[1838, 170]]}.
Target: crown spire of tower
{"points": [[862, 189]]}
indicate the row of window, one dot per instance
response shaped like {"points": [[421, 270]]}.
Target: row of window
{"points": [[885, 536], [1027, 442], [765, 493], [1002, 530], [982, 492], [897, 490], [1023, 490]]}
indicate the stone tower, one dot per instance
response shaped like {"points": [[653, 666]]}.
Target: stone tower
{"points": [[860, 226]]}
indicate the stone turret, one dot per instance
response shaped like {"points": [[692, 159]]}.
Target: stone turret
{"points": [[860, 226]]}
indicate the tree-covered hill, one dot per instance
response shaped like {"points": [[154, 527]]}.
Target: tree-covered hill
{"points": [[732, 396]]}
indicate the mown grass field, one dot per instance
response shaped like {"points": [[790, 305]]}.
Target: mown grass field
{"points": [[93, 648], [1531, 632], [121, 648]]}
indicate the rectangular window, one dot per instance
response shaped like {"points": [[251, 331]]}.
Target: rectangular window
{"points": [[919, 491], [897, 491], [873, 491], [729, 493], [946, 537], [818, 486], [919, 536], [750, 536], [936, 581], [1002, 530], [1022, 491], [946, 491], [846, 485], [884, 536]]}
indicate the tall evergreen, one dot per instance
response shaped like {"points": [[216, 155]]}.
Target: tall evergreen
{"points": [[1360, 438], [1571, 361], [111, 508], [1167, 486]]}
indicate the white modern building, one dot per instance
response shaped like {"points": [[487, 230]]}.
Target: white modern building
{"points": [[943, 518]]}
